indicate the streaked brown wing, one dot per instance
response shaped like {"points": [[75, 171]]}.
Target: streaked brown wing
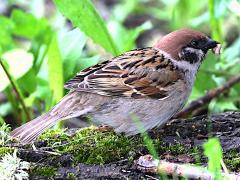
{"points": [[139, 73]]}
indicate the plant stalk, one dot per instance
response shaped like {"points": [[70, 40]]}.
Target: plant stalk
{"points": [[16, 90]]}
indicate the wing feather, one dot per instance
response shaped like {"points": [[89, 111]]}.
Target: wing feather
{"points": [[139, 73]]}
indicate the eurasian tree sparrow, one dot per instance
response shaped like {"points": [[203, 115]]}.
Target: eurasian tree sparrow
{"points": [[153, 83]]}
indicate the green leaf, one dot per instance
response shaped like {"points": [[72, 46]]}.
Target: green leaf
{"points": [[213, 150], [84, 63], [28, 82], [71, 45], [215, 20], [221, 105], [204, 81], [5, 109], [126, 38], [232, 53], [28, 26], [134, 33], [184, 11], [6, 24], [19, 62], [1, 121], [6, 28], [83, 15], [55, 69], [122, 10]]}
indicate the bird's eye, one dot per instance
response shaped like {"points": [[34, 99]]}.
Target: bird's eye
{"points": [[194, 43]]}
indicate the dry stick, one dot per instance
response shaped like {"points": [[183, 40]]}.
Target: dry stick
{"points": [[148, 164], [208, 97], [16, 90]]}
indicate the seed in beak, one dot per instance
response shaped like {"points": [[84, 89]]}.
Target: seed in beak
{"points": [[217, 50]]}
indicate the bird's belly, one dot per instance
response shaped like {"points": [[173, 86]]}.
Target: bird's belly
{"points": [[118, 112]]}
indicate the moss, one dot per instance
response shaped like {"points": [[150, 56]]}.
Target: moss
{"points": [[90, 146], [56, 138], [174, 149], [232, 160], [5, 150], [46, 171], [71, 176], [100, 148]]}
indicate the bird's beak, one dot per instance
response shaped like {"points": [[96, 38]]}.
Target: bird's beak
{"points": [[213, 45]]}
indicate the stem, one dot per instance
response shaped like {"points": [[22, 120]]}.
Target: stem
{"points": [[16, 90], [213, 93]]}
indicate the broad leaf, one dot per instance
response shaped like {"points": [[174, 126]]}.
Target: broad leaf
{"points": [[84, 63], [6, 28], [26, 25], [19, 62], [83, 15], [71, 44], [126, 38]]}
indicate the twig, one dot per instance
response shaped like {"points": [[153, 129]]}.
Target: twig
{"points": [[224, 167], [148, 164], [208, 97], [16, 90]]}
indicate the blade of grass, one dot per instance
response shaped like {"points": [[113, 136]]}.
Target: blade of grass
{"points": [[55, 70], [1, 121], [147, 140], [55, 73], [16, 89], [213, 150], [84, 15]]}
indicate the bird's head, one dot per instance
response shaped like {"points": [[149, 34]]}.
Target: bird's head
{"points": [[187, 45]]}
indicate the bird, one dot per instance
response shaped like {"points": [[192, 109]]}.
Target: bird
{"points": [[152, 83]]}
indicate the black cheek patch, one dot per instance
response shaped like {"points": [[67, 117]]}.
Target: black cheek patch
{"points": [[189, 56]]}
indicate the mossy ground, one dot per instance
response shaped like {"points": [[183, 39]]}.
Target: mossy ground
{"points": [[46, 171], [90, 146], [232, 160], [6, 150]]}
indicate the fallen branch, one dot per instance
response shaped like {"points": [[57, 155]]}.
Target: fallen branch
{"points": [[147, 164], [194, 105]]}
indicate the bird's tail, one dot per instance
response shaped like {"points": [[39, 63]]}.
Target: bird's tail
{"points": [[72, 105], [29, 131]]}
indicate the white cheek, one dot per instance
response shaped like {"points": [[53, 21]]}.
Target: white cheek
{"points": [[184, 65], [189, 69]]}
